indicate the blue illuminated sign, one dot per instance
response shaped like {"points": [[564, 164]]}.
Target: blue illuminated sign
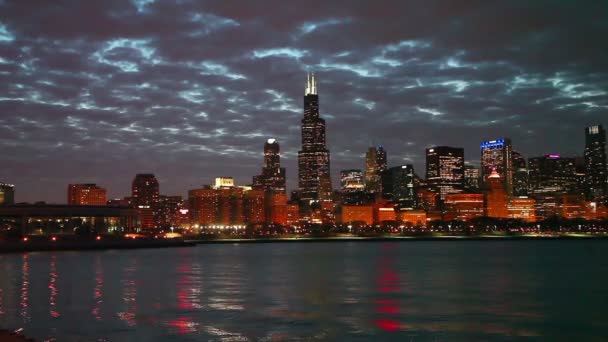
{"points": [[493, 143]]}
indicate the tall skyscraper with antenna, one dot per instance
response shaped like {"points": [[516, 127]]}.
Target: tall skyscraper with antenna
{"points": [[314, 178]]}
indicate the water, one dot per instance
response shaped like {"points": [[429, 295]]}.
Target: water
{"points": [[355, 291]]}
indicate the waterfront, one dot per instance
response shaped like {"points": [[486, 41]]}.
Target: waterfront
{"points": [[426, 291]]}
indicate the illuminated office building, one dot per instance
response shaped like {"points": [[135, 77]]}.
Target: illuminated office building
{"points": [[375, 164], [223, 206], [497, 155], [472, 178], [7, 194], [167, 211], [595, 163], [314, 180], [445, 169], [520, 175], [255, 206], [86, 194], [398, 186], [273, 175], [496, 197], [144, 197], [552, 174]]}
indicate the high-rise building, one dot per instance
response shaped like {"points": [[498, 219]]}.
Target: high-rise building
{"points": [[218, 206], [86, 194], [167, 211], [497, 155], [401, 190], [520, 175], [145, 190], [472, 178], [595, 163], [552, 174], [144, 193], [496, 197], [255, 206], [204, 205], [351, 180], [272, 177], [314, 180], [276, 208], [445, 169], [375, 164], [7, 194]]}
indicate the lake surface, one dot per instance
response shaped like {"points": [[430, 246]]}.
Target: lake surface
{"points": [[347, 291]]}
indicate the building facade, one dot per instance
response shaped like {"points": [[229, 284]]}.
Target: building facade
{"points": [[445, 169], [314, 180], [552, 174], [375, 165], [595, 163], [498, 155], [86, 194], [273, 176]]}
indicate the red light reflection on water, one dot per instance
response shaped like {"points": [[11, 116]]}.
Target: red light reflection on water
{"points": [[387, 306], [183, 325], [25, 284], [184, 295], [98, 290], [53, 288], [129, 295]]}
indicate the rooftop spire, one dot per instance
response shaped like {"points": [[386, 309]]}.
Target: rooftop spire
{"points": [[311, 84]]}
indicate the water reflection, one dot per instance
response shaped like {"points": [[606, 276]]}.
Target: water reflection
{"points": [[342, 292], [387, 283], [129, 294], [53, 288], [98, 290], [189, 289], [25, 286]]}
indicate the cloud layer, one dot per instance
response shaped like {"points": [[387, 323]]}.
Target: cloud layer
{"points": [[99, 91]]}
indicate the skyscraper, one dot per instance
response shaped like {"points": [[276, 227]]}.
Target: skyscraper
{"points": [[497, 155], [402, 182], [472, 178], [445, 169], [595, 163], [520, 175], [145, 192], [314, 179], [86, 194], [273, 175], [375, 164], [552, 174]]}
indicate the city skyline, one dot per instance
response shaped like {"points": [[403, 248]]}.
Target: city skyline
{"points": [[142, 91]]}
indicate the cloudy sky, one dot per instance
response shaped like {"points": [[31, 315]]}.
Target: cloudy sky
{"points": [[96, 91]]}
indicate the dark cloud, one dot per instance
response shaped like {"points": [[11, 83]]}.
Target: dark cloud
{"points": [[190, 90]]}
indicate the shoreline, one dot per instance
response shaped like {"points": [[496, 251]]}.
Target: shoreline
{"points": [[20, 247], [405, 239]]}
